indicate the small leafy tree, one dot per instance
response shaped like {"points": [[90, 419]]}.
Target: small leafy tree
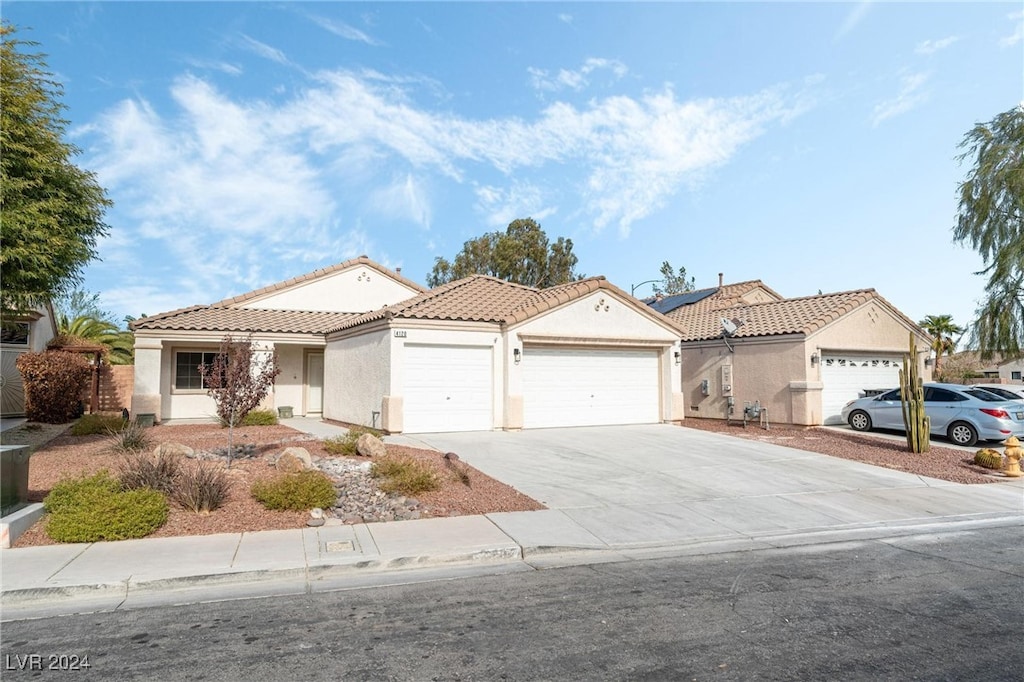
{"points": [[675, 282], [238, 382]]}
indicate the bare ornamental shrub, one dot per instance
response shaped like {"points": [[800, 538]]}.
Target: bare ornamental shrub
{"points": [[203, 487], [156, 471], [132, 438], [238, 382]]}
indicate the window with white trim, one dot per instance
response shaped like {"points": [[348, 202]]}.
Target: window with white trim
{"points": [[14, 333], [186, 369], [1015, 376]]}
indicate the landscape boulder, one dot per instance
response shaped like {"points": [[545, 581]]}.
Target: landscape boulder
{"points": [[368, 445], [171, 449], [294, 460]]}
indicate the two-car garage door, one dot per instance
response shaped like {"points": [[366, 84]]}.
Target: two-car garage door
{"points": [[451, 388], [577, 387]]}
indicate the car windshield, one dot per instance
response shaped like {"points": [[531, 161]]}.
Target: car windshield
{"points": [[985, 394]]}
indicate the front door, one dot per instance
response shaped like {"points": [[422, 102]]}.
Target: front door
{"points": [[315, 383]]}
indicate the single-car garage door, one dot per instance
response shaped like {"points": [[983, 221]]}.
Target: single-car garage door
{"points": [[847, 377], [571, 387], [447, 388]]}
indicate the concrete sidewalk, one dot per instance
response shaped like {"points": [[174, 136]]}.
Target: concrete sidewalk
{"points": [[705, 504]]}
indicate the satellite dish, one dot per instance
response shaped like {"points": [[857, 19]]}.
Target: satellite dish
{"points": [[729, 327]]}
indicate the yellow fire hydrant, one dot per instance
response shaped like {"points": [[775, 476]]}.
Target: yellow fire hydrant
{"points": [[1013, 453]]}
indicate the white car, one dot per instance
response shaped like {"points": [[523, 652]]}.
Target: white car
{"points": [[1008, 391]]}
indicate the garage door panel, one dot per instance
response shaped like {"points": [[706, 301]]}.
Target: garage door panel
{"points": [[448, 388], [564, 387], [846, 377]]}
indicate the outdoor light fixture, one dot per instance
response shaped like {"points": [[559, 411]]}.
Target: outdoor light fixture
{"points": [[679, 358], [928, 362], [517, 355], [814, 358]]}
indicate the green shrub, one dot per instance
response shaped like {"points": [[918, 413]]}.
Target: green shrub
{"points": [[93, 508], [203, 487], [404, 475], [988, 458], [259, 418], [54, 382], [346, 445], [132, 438], [297, 492], [91, 424], [156, 471]]}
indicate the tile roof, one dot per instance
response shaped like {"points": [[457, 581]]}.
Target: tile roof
{"points": [[317, 274], [222, 319], [714, 297], [481, 298], [788, 316]]}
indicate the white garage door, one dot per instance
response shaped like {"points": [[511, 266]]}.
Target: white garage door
{"points": [[847, 377], [589, 387], [447, 388]]}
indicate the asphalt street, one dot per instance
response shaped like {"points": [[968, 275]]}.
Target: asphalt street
{"points": [[941, 606]]}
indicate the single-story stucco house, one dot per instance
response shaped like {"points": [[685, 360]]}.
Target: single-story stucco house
{"points": [[26, 333], [801, 358], [360, 344]]}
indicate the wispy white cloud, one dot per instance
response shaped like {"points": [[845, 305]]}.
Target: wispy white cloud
{"points": [[853, 18], [227, 187], [574, 79], [565, 18], [502, 205], [343, 30], [1018, 30], [928, 47], [910, 96], [215, 65], [262, 49]]}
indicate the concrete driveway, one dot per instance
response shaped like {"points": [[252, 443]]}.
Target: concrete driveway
{"points": [[656, 484]]}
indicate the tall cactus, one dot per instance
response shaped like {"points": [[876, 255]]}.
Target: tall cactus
{"points": [[917, 423]]}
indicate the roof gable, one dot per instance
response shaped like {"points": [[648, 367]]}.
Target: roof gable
{"points": [[805, 315], [322, 289], [749, 292]]}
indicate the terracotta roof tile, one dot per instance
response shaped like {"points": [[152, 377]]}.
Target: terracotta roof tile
{"points": [[481, 298], [222, 319], [789, 316], [317, 274]]}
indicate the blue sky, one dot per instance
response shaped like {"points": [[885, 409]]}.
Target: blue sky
{"points": [[812, 146]]}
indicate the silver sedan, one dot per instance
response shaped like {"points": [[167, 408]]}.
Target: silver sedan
{"points": [[964, 414]]}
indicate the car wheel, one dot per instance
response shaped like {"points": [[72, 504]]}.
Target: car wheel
{"points": [[963, 433], [860, 420]]}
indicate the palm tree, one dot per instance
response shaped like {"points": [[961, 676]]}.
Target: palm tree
{"points": [[942, 330], [120, 344]]}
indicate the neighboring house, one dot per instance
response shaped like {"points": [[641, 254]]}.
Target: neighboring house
{"points": [[1011, 370], [801, 358], [290, 317], [30, 332], [361, 344], [481, 353]]}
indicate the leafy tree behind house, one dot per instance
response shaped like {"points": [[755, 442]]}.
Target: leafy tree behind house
{"points": [[522, 254], [991, 219], [238, 382], [80, 316], [942, 330], [675, 281], [52, 210]]}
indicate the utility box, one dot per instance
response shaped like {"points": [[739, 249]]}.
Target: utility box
{"points": [[726, 380], [13, 477]]}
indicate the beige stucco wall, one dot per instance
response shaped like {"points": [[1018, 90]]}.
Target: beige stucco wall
{"points": [[356, 377], [1006, 371], [358, 289], [761, 371], [871, 328]]}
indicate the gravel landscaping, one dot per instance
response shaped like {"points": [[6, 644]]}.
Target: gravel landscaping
{"points": [[948, 464], [59, 455]]}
